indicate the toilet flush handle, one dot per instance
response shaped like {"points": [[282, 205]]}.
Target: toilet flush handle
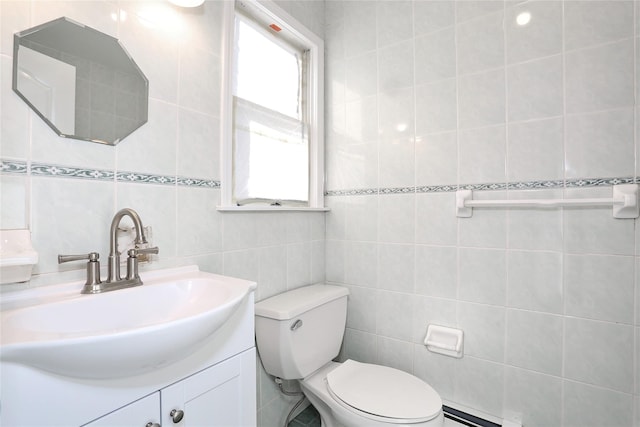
{"points": [[296, 325]]}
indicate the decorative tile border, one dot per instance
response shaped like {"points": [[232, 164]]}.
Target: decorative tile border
{"points": [[484, 187], [58, 171], [354, 192], [598, 182], [196, 182], [42, 169], [535, 185], [525, 185], [436, 188], [145, 178], [8, 166], [397, 190]]}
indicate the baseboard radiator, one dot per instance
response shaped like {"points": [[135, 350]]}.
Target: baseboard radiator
{"points": [[466, 419]]}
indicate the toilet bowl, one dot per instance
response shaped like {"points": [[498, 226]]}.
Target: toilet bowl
{"points": [[354, 394], [299, 333]]}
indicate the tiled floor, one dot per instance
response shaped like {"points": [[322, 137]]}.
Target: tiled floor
{"points": [[307, 418], [310, 418]]}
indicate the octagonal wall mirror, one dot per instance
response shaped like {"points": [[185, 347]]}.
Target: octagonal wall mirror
{"points": [[81, 82]]}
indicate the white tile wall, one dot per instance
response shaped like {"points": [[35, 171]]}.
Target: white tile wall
{"points": [[396, 264], [535, 281], [435, 370], [394, 318], [488, 230], [436, 102], [481, 154], [482, 275], [600, 77], [431, 16], [480, 43], [435, 54], [589, 406], [540, 394], [441, 228], [595, 230], [436, 271], [396, 218], [436, 158], [359, 80], [548, 298], [394, 21], [360, 316], [535, 150], [180, 53], [471, 9], [535, 228], [481, 99], [473, 378], [534, 341], [593, 22], [542, 37], [599, 287], [361, 263], [484, 327], [534, 89], [439, 311], [418, 93], [588, 148], [14, 201], [599, 353], [395, 353]]}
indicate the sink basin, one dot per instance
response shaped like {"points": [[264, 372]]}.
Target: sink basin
{"points": [[120, 333]]}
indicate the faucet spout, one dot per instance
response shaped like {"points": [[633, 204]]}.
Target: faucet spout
{"points": [[114, 256]]}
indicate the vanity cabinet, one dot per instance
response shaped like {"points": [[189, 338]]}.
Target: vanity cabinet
{"points": [[214, 397], [140, 413], [214, 384]]}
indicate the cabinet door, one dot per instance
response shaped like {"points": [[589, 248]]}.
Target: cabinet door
{"points": [[137, 414], [223, 395]]}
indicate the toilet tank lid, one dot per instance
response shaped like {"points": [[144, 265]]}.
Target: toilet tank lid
{"points": [[290, 304]]}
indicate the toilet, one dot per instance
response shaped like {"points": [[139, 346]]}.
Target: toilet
{"points": [[299, 333]]}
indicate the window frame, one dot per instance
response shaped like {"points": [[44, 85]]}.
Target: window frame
{"points": [[315, 97]]}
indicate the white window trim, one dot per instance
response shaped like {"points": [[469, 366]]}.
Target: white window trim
{"points": [[316, 109]]}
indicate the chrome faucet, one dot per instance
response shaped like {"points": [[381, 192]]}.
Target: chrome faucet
{"points": [[94, 285]]}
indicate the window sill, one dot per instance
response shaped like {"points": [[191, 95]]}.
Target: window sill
{"points": [[270, 209]]}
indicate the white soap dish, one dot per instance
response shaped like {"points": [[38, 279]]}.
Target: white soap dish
{"points": [[17, 256], [445, 340]]}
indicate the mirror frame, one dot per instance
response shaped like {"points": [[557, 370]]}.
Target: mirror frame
{"points": [[17, 37]]}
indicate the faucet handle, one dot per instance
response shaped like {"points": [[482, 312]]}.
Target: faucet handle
{"points": [[91, 256], [139, 251], [132, 261], [92, 285]]}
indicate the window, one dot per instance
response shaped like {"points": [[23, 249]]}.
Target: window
{"points": [[272, 154]]}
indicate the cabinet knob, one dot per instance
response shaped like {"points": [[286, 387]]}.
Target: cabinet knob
{"points": [[176, 415], [152, 425]]}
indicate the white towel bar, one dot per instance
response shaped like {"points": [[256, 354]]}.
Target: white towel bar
{"points": [[624, 202]]}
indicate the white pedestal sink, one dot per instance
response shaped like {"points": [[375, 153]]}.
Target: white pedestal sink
{"points": [[122, 333]]}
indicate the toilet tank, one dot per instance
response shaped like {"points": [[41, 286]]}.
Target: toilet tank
{"points": [[299, 331]]}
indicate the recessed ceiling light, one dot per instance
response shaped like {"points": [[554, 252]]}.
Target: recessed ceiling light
{"points": [[187, 3]]}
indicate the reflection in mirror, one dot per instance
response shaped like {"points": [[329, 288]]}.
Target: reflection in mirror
{"points": [[81, 82]]}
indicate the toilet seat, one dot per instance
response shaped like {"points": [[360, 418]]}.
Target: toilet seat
{"points": [[383, 393]]}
